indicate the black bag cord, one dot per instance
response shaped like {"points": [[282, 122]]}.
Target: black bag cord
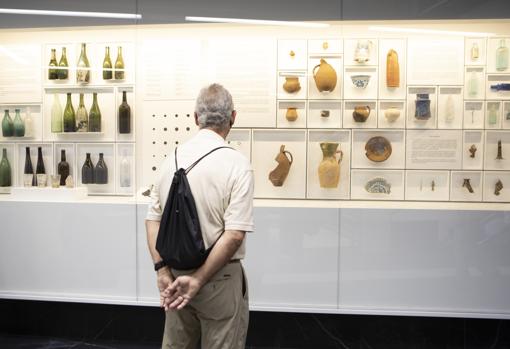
{"points": [[196, 162]]}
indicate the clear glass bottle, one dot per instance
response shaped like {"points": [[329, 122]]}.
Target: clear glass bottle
{"points": [[52, 66], [29, 168], [56, 115], [493, 115], [124, 116], [119, 65], [95, 116], [5, 170], [125, 171], [63, 168], [63, 66], [473, 84], [83, 66], [82, 117], [101, 171], [449, 114], [69, 116], [502, 56], [7, 125], [29, 124], [107, 65], [19, 125], [87, 171]]}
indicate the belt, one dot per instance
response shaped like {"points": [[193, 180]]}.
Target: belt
{"points": [[234, 261]]}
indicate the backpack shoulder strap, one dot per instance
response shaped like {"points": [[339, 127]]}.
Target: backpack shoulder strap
{"points": [[175, 157], [202, 157]]}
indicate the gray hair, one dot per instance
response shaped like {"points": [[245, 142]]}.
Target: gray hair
{"points": [[214, 107]]}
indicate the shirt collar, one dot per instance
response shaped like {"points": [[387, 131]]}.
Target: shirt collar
{"points": [[210, 135]]}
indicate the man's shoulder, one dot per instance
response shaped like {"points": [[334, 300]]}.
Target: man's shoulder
{"points": [[238, 160]]}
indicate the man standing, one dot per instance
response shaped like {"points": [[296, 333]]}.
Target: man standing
{"points": [[209, 304]]}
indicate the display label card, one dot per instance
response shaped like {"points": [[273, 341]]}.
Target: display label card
{"points": [[435, 62], [434, 149], [20, 74]]}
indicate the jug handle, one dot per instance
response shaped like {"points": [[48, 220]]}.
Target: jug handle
{"points": [[369, 110], [314, 68], [341, 156], [291, 160]]}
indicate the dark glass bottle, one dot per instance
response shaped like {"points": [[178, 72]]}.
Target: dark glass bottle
{"points": [[5, 170], [29, 169], [63, 66], [63, 168], [124, 115], [94, 116], [52, 70], [87, 171], [7, 125], [40, 162], [101, 171], [107, 65], [69, 116]]}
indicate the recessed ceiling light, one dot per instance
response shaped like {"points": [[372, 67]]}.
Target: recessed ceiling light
{"points": [[71, 13]]}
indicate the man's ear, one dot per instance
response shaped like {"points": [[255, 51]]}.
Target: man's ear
{"points": [[196, 118], [233, 118]]}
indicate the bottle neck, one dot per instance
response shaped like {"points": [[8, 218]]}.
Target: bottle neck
{"points": [[124, 98], [69, 98], [81, 100], [6, 113], [119, 52], [83, 49], [94, 99], [39, 152], [63, 155], [27, 151], [64, 52], [53, 55], [107, 54], [4, 153]]}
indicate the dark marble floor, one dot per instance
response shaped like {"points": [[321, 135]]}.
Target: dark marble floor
{"points": [[54, 325]]}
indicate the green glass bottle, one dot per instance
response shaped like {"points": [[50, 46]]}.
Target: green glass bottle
{"points": [[82, 117], [95, 116], [502, 56], [63, 66], [124, 115], [52, 70], [493, 115], [19, 125], [83, 69], [107, 65], [69, 116], [119, 65], [5, 171], [7, 125]]}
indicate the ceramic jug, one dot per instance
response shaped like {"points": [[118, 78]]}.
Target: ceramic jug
{"points": [[422, 104], [291, 114], [291, 84], [329, 168], [392, 69], [279, 174], [362, 51], [392, 114], [325, 76], [361, 113]]}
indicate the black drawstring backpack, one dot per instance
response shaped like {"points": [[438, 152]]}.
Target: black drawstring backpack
{"points": [[180, 241]]}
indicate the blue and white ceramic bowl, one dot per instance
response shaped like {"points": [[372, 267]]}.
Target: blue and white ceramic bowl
{"points": [[360, 81]]}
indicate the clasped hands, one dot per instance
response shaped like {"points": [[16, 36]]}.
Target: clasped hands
{"points": [[176, 294]]}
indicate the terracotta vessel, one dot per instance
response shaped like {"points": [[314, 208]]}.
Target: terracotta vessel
{"points": [[361, 113], [392, 69], [291, 114], [378, 149], [279, 174], [291, 84], [329, 168], [325, 76]]}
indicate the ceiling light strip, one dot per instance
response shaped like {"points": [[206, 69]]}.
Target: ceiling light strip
{"points": [[71, 13], [256, 22]]}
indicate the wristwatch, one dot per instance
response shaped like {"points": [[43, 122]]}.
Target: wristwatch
{"points": [[159, 265]]}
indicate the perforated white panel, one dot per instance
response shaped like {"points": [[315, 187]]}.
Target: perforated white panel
{"points": [[166, 125]]}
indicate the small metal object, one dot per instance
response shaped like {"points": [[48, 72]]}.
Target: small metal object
{"points": [[433, 185], [324, 113], [467, 185], [498, 187], [148, 191], [472, 150], [500, 151], [325, 45], [292, 53]]}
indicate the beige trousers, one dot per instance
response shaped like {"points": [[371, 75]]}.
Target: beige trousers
{"points": [[217, 317]]}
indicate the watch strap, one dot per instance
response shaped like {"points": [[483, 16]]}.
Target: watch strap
{"points": [[159, 265]]}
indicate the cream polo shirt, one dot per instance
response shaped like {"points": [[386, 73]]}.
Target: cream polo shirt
{"points": [[222, 186]]}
